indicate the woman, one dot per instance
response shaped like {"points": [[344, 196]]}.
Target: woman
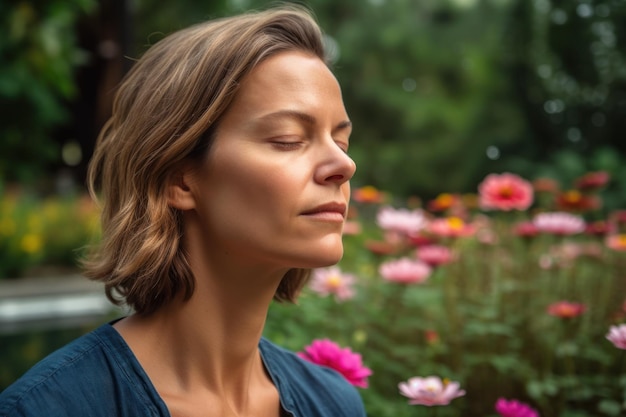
{"points": [[223, 178]]}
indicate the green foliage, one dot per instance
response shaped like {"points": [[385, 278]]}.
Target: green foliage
{"points": [[39, 54]]}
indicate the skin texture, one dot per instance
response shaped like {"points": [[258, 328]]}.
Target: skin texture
{"points": [[251, 211]]}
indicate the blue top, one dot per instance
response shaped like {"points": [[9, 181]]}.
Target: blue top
{"points": [[97, 375]]}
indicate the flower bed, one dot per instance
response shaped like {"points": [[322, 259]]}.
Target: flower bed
{"points": [[505, 303], [42, 235]]}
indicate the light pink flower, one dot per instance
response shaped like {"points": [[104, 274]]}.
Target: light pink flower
{"points": [[401, 220], [559, 223], [451, 227], [617, 336], [435, 255], [566, 309], [327, 353], [405, 271], [332, 280], [514, 408], [351, 227], [430, 390], [505, 192]]}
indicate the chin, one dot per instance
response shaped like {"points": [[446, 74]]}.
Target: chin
{"points": [[326, 259]]}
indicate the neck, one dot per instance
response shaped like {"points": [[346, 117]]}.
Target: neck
{"points": [[211, 340]]}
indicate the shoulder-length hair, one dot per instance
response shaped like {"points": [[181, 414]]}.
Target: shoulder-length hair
{"points": [[166, 111]]}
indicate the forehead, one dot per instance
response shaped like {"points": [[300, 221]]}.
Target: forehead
{"points": [[290, 80]]}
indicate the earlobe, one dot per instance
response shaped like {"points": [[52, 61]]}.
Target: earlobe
{"points": [[179, 193]]}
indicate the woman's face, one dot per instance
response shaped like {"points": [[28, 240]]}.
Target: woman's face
{"points": [[274, 187]]}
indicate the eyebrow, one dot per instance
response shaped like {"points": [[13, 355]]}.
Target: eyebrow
{"points": [[303, 117]]}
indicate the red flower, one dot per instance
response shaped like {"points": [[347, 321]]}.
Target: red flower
{"points": [[505, 192], [593, 180], [598, 228], [545, 185], [574, 200], [443, 202], [368, 194], [566, 309]]}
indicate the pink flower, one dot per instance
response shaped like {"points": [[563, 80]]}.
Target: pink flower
{"points": [[514, 408], [435, 255], [566, 309], [525, 229], [430, 390], [401, 220], [617, 336], [331, 280], [559, 223], [405, 271], [616, 242], [327, 353], [451, 227], [505, 192], [351, 227]]}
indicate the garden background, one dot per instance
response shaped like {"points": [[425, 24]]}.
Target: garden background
{"points": [[442, 93]]}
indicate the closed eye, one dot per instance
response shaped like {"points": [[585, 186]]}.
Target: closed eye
{"points": [[286, 145]]}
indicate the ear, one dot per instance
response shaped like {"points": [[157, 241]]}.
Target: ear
{"points": [[179, 192]]}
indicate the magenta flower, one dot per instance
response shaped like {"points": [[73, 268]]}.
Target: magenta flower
{"points": [[559, 223], [505, 192], [617, 336], [401, 220], [325, 281], [430, 390], [514, 408], [327, 353], [435, 255], [405, 271]]}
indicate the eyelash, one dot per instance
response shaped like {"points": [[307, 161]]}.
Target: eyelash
{"points": [[287, 146]]}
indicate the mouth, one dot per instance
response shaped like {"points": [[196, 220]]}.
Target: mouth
{"points": [[330, 211]]}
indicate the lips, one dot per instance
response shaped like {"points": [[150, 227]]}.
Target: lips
{"points": [[331, 208]]}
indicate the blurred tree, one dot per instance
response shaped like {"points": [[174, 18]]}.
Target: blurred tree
{"points": [[441, 92], [38, 52]]}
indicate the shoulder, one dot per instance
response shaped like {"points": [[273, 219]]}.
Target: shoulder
{"points": [[312, 389], [81, 376]]}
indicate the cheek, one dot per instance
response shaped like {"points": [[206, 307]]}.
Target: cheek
{"points": [[253, 186]]}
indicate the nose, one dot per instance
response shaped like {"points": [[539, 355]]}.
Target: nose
{"points": [[335, 167]]}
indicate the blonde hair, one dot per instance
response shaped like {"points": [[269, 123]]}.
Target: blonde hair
{"points": [[166, 111]]}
